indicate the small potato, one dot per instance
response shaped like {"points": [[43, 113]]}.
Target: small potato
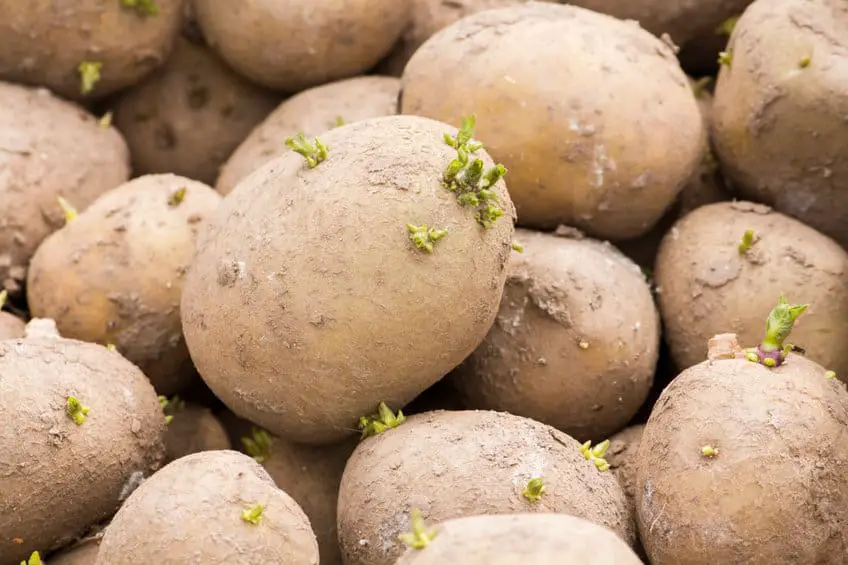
{"points": [[210, 507], [312, 112], [624, 446], [84, 553], [11, 326], [192, 429]]}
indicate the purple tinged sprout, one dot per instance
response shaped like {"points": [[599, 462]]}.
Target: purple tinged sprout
{"points": [[772, 352]]}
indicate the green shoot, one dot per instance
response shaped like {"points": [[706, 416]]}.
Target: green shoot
{"points": [[583, 344], [709, 451], [112, 347], [253, 515], [314, 152], [748, 240], [516, 246], [172, 405], [177, 197], [830, 375], [424, 237], [772, 351], [4, 296], [727, 26], [339, 122], [420, 537], [805, 61], [34, 559], [106, 120], [76, 410], [69, 211], [258, 445], [700, 85], [142, 7], [596, 454], [378, 423], [534, 490], [89, 72], [725, 58]]}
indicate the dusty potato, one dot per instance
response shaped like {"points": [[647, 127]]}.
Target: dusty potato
{"points": [[192, 429], [84, 553], [312, 112], [599, 129], [575, 342], [48, 148], [624, 446], [304, 308], [198, 509], [465, 463], [188, 117], [44, 43], [81, 427], [115, 273]]}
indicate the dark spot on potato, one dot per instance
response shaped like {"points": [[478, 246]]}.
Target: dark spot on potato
{"points": [[198, 97], [164, 137]]}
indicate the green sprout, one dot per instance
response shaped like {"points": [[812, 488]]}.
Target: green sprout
{"points": [[516, 246], [112, 347], [174, 404], [340, 121], [4, 296], [142, 7], [76, 410], [725, 58], [89, 72], [727, 26], [596, 454], [420, 537], [748, 240], [772, 352], [424, 237], [830, 375], [253, 515], [534, 490], [805, 61], [314, 153], [105, 120], [258, 445], [700, 85], [69, 211], [378, 423], [177, 197], [709, 451], [34, 559]]}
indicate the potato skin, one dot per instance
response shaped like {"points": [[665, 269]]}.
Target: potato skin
{"points": [[305, 307], [207, 492], [706, 287], [11, 326], [578, 154], [82, 554], [466, 463], [774, 494], [95, 463], [194, 429], [779, 129], [560, 293], [50, 147], [115, 273], [623, 460], [312, 112]]}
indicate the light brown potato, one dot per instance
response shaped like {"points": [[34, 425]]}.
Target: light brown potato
{"points": [[312, 112], [188, 117], [48, 148], [84, 553], [624, 446], [11, 326], [193, 429], [575, 342], [285, 309], [115, 273], [599, 129]]}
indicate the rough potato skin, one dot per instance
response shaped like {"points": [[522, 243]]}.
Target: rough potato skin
{"points": [[96, 463], [207, 492], [290, 45], [466, 463], [707, 287], [779, 129], [115, 273], [575, 343], [82, 554], [42, 43], [599, 129], [194, 429], [519, 539], [48, 148], [774, 494], [312, 112], [308, 304], [622, 457], [188, 117], [11, 326]]}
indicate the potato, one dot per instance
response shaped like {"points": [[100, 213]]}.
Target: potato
{"points": [[84, 553], [209, 507], [518, 539], [188, 117], [779, 116], [310, 302], [115, 273], [622, 458], [81, 427], [192, 429], [312, 112], [740, 463], [580, 151], [706, 286], [575, 342], [44, 44], [11, 326], [48, 148], [456, 464], [290, 46]]}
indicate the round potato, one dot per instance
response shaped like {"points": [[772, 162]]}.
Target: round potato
{"points": [[599, 129], [311, 112], [84, 553], [192, 429], [305, 306]]}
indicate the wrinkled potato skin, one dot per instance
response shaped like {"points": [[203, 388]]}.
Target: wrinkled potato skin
{"points": [[121, 439], [11, 327], [43, 42], [707, 287], [560, 292], [115, 273], [315, 260], [466, 463], [779, 129], [207, 492], [774, 494], [571, 123], [312, 112], [194, 429], [289, 45], [83, 554], [48, 148], [622, 457]]}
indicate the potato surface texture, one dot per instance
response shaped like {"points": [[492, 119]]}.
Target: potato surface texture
{"points": [[193, 429], [83, 554], [11, 326]]}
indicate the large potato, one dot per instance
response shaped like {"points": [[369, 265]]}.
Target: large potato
{"points": [[309, 304], [599, 128]]}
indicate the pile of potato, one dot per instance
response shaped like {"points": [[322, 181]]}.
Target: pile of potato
{"points": [[424, 282]]}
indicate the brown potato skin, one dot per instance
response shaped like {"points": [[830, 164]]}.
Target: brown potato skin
{"points": [[289, 45], [312, 112], [82, 554], [314, 327], [120, 441], [42, 43], [560, 292], [194, 429], [779, 129], [577, 152], [706, 287], [188, 117], [49, 148], [466, 463], [623, 460], [11, 327], [774, 494], [207, 492], [115, 273]]}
